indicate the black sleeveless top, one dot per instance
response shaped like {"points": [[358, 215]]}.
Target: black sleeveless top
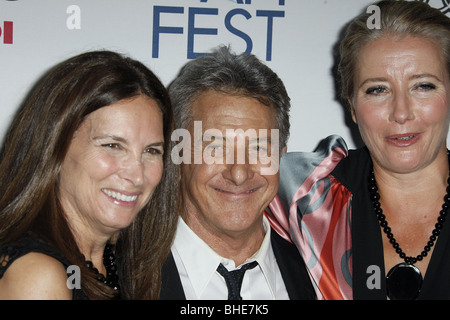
{"points": [[13, 251]]}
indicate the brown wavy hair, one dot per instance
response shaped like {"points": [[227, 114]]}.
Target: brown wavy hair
{"points": [[36, 145]]}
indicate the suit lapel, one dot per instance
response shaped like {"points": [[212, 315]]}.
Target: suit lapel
{"points": [[171, 288], [293, 272], [293, 269]]}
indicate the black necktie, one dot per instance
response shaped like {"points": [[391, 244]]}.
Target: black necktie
{"points": [[234, 279]]}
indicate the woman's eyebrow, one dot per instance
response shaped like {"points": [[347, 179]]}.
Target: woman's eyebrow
{"points": [[110, 136], [378, 79], [425, 75]]}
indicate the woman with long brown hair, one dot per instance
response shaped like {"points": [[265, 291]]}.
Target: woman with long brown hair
{"points": [[86, 181]]}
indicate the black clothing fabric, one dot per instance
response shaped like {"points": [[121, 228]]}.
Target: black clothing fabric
{"points": [[13, 251], [291, 265], [367, 240]]}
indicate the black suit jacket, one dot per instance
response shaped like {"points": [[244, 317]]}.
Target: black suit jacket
{"points": [[292, 268]]}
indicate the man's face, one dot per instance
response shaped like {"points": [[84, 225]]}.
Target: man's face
{"points": [[226, 193]]}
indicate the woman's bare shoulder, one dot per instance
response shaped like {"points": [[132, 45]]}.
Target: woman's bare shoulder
{"points": [[35, 276]]}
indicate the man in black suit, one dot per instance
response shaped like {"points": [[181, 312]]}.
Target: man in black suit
{"points": [[232, 114]]}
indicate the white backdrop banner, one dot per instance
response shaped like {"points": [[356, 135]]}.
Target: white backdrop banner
{"points": [[296, 38]]}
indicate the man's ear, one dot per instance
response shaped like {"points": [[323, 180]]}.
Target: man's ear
{"points": [[284, 150]]}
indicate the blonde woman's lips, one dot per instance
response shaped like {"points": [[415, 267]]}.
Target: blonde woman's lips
{"points": [[403, 140]]}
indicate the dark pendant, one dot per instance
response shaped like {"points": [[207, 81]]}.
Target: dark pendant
{"points": [[403, 282]]}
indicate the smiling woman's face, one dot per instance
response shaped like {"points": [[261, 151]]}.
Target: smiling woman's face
{"points": [[401, 102], [113, 165]]}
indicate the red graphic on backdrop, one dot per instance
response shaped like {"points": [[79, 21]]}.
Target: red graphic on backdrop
{"points": [[7, 32]]}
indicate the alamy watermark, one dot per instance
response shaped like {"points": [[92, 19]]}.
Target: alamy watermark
{"points": [[234, 146], [74, 277], [374, 20], [374, 279]]}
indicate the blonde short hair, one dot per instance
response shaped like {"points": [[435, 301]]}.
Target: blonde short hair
{"points": [[398, 18]]}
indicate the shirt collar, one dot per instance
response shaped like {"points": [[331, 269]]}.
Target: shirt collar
{"points": [[201, 261]]}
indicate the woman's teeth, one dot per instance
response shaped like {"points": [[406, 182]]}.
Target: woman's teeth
{"points": [[119, 196], [405, 138]]}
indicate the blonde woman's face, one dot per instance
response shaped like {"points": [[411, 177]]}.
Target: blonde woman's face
{"points": [[401, 102], [113, 165]]}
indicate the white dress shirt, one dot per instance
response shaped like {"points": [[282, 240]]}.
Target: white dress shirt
{"points": [[197, 264]]}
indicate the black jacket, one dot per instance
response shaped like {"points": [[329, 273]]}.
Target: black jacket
{"points": [[292, 267]]}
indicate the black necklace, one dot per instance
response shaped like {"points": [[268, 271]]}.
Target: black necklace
{"points": [[109, 260], [404, 281]]}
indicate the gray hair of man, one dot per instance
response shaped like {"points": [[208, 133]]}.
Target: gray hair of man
{"points": [[235, 74]]}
